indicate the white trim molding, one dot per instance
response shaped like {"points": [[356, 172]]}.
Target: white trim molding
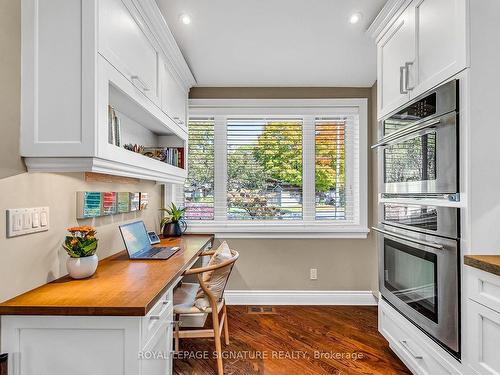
{"points": [[150, 10], [300, 297], [160, 172], [390, 9]]}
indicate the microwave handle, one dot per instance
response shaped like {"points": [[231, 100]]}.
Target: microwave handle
{"points": [[409, 239], [406, 131]]}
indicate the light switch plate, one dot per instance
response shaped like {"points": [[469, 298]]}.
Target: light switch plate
{"points": [[22, 221], [313, 274]]}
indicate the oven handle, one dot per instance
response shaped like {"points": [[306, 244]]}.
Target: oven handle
{"points": [[409, 239], [406, 131]]}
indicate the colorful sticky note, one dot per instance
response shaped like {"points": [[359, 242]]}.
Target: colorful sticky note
{"points": [[135, 199], [91, 204], [108, 203], [144, 201], [123, 202]]}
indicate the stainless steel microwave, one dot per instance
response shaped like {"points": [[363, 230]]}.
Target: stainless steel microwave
{"points": [[418, 146]]}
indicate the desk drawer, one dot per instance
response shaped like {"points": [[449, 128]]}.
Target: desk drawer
{"points": [[160, 315], [483, 287]]}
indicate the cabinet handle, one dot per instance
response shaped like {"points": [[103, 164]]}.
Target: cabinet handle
{"points": [[402, 80], [162, 313], [410, 350], [407, 77], [138, 79]]}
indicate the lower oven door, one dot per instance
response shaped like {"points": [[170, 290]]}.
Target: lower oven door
{"points": [[419, 277]]}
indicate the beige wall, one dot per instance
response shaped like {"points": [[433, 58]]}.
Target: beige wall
{"points": [[10, 88], [280, 264], [32, 260]]}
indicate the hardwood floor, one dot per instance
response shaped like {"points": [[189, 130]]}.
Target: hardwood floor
{"points": [[341, 340]]}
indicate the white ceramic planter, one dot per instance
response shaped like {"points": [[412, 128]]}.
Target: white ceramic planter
{"points": [[80, 268]]}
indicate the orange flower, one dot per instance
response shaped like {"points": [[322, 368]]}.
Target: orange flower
{"points": [[83, 229]]}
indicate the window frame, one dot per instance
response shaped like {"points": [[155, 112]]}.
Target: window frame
{"points": [[308, 109]]}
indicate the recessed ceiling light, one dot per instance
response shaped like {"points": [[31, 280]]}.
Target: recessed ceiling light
{"points": [[355, 18], [185, 19]]}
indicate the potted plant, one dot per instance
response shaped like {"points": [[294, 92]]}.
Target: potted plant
{"points": [[173, 224], [81, 246]]}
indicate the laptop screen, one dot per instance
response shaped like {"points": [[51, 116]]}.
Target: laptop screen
{"points": [[135, 237]]}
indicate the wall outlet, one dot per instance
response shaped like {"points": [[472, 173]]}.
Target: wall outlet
{"points": [[27, 220], [313, 274]]}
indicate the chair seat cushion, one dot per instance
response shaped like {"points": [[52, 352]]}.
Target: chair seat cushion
{"points": [[184, 299]]}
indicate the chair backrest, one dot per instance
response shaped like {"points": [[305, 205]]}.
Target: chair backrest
{"points": [[218, 275], [213, 286]]}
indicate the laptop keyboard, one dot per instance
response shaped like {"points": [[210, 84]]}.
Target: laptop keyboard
{"points": [[157, 252]]}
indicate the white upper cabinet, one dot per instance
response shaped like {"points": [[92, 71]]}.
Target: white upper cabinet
{"points": [[173, 95], [420, 47], [125, 45], [395, 52], [440, 30], [94, 78]]}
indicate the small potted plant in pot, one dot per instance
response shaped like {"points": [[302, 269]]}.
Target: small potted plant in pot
{"points": [[173, 224], [81, 246]]}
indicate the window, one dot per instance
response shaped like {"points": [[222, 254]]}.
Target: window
{"points": [[330, 168], [277, 168], [264, 169], [199, 187]]}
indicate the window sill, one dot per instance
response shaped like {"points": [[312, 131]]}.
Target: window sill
{"points": [[278, 230]]}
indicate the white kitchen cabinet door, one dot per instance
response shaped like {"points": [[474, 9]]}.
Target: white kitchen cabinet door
{"points": [[441, 43], [483, 326], [157, 356], [173, 96], [126, 46], [396, 49]]}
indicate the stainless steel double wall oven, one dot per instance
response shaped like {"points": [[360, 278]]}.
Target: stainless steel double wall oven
{"points": [[418, 158]]}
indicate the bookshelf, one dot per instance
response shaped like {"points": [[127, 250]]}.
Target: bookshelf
{"points": [[133, 131]]}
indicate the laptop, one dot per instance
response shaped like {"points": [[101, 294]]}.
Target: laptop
{"points": [[136, 239]]}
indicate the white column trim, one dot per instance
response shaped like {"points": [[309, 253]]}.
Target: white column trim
{"points": [[220, 168]]}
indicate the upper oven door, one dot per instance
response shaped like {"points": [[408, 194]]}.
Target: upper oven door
{"points": [[421, 159]]}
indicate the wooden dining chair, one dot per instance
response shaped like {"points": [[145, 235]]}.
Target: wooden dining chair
{"points": [[206, 297]]}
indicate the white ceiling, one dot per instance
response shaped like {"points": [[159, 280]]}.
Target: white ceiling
{"points": [[275, 42]]}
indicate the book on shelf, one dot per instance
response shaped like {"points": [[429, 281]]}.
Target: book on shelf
{"points": [[114, 127], [118, 131], [111, 128], [170, 155]]}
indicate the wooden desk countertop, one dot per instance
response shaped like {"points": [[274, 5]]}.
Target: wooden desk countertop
{"points": [[488, 263], [120, 287]]}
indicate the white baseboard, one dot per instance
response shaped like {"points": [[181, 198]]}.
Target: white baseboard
{"points": [[299, 297]]}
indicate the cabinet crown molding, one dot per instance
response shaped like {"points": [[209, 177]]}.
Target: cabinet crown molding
{"points": [[384, 17], [149, 9]]}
